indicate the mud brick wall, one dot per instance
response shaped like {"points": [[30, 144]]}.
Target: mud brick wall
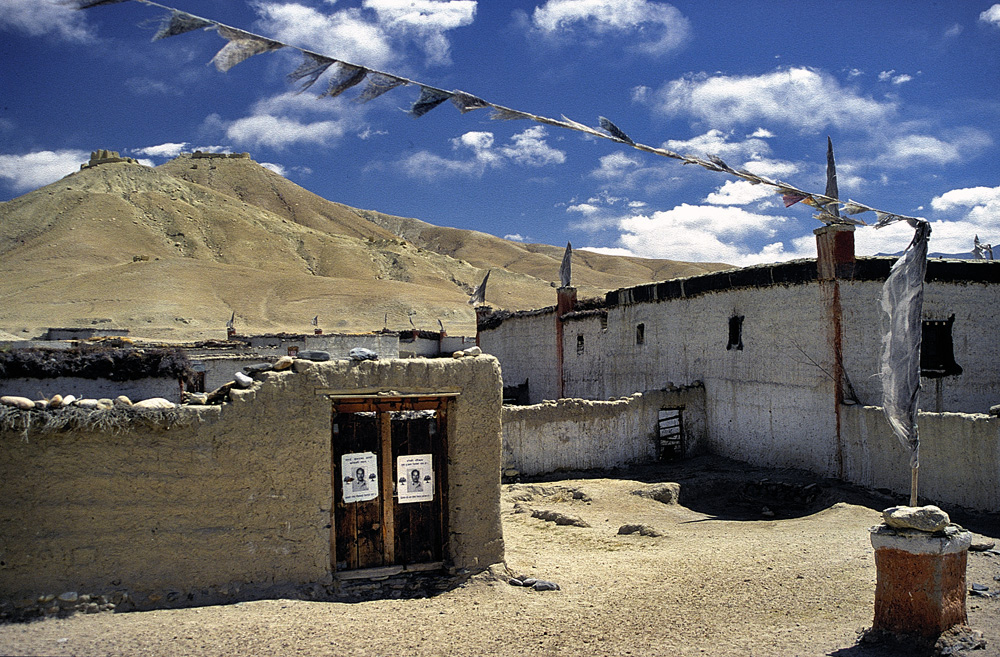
{"points": [[231, 502]]}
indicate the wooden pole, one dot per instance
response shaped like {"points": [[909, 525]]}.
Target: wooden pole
{"points": [[913, 484]]}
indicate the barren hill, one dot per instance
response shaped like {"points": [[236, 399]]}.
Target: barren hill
{"points": [[170, 252]]}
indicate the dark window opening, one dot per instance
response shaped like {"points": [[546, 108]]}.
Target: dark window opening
{"points": [[640, 334], [604, 322], [735, 333], [579, 345], [937, 353]]}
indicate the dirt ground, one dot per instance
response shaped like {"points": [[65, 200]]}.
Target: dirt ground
{"points": [[725, 577]]}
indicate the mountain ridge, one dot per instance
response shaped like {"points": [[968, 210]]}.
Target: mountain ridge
{"points": [[170, 252]]}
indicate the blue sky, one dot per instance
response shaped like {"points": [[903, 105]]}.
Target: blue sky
{"points": [[908, 91]]}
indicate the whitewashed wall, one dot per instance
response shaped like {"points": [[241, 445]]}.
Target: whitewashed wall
{"points": [[525, 345], [770, 402], [959, 457], [975, 337], [579, 434], [386, 345], [773, 403]]}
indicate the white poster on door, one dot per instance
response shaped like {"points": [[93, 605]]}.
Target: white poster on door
{"points": [[414, 478], [360, 476]]}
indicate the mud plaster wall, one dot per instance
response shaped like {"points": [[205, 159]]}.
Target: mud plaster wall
{"points": [[578, 434], [235, 501], [959, 456]]}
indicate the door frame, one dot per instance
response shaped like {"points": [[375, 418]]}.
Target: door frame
{"points": [[383, 403]]}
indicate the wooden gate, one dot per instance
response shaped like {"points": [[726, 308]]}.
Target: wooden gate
{"points": [[670, 433], [389, 482]]}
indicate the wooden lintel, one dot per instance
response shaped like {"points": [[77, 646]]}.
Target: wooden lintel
{"points": [[354, 393]]}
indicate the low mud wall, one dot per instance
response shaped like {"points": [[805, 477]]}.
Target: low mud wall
{"points": [[959, 457], [580, 434], [227, 502]]}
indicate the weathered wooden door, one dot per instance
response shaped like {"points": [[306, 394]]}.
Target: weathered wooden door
{"points": [[389, 481]]}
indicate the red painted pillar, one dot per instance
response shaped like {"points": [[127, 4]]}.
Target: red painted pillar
{"points": [[565, 303], [835, 260], [920, 588]]}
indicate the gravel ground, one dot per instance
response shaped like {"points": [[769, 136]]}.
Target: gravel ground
{"points": [[751, 562]]}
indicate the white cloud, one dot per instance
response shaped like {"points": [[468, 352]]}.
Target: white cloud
{"points": [[983, 204], [966, 197], [515, 237], [655, 27], [761, 133], [286, 119], [716, 142], [32, 170], [586, 209], [625, 170], [739, 192], [946, 237], [38, 17], [991, 15], [279, 131], [891, 76], [800, 97], [429, 166], [162, 150], [277, 168], [954, 30], [968, 212], [148, 87], [916, 150], [366, 34], [616, 166], [427, 20], [368, 132], [774, 169], [348, 32], [702, 233], [527, 148]]}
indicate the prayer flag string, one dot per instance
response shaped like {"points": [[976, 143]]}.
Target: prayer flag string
{"points": [[242, 45]]}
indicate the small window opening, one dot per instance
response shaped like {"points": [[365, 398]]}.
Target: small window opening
{"points": [[640, 334], [937, 353], [604, 322], [735, 333], [579, 345]]}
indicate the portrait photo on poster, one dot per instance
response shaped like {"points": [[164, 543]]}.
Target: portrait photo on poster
{"points": [[414, 478], [359, 476]]}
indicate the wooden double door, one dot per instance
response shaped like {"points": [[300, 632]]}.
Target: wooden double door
{"points": [[389, 482]]}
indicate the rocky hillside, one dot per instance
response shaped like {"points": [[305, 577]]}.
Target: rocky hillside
{"points": [[170, 252]]}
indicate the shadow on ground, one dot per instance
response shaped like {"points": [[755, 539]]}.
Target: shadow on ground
{"points": [[731, 490]]}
